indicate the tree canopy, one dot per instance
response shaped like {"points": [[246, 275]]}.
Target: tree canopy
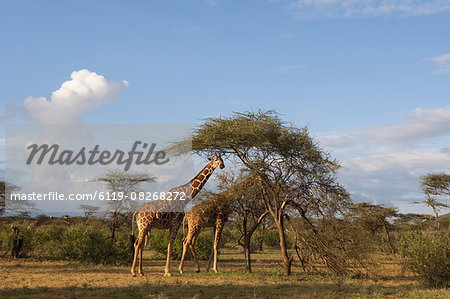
{"points": [[436, 187], [294, 171]]}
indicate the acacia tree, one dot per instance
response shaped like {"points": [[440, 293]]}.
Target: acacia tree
{"points": [[411, 221], [21, 207], [291, 167], [89, 211], [122, 184], [244, 195], [436, 187], [375, 218]]}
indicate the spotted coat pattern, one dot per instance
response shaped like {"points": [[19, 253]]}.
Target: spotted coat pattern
{"points": [[168, 214], [213, 212]]}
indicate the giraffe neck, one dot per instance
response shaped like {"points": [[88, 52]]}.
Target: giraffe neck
{"points": [[197, 183]]}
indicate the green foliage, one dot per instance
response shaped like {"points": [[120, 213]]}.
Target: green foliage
{"points": [[87, 244], [228, 236], [445, 221], [272, 239], [436, 187], [428, 256], [411, 221], [344, 247], [6, 241], [91, 246], [436, 184], [159, 241], [254, 244], [288, 162], [203, 246]]}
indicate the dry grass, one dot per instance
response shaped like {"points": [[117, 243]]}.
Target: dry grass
{"points": [[25, 279]]}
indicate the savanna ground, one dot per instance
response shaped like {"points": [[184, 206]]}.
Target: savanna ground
{"points": [[53, 279]]}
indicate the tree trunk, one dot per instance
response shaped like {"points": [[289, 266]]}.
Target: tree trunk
{"points": [[437, 218], [388, 236], [261, 238], [287, 260], [247, 234], [247, 251], [113, 226]]}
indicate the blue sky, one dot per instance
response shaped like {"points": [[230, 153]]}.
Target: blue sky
{"points": [[369, 78]]}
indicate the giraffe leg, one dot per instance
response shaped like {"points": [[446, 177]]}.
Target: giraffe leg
{"points": [[211, 256], [141, 249], [137, 251], [186, 243], [194, 254], [172, 235], [219, 227], [212, 252]]}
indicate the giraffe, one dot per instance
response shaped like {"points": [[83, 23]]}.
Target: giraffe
{"points": [[169, 214], [213, 212]]}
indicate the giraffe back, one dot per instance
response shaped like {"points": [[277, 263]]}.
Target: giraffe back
{"points": [[205, 213]]}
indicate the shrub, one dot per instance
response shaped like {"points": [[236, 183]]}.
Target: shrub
{"points": [[203, 246], [227, 236], [92, 246], [428, 256], [7, 239], [76, 243], [86, 246], [160, 239], [272, 239], [55, 240]]}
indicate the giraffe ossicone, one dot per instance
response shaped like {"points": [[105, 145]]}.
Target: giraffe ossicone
{"points": [[169, 214]]}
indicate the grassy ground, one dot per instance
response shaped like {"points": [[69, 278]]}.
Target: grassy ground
{"points": [[31, 279]]}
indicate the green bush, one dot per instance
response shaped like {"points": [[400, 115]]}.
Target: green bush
{"points": [[228, 236], [428, 256], [75, 243], [6, 241], [159, 241], [92, 246], [272, 239], [203, 246]]}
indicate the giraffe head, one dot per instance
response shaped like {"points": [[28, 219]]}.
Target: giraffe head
{"points": [[217, 162]]}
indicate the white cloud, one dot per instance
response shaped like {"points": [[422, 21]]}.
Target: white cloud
{"points": [[289, 68], [426, 159], [382, 164], [85, 91], [418, 126], [442, 62], [366, 8]]}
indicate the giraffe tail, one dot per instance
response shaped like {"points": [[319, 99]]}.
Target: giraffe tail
{"points": [[132, 223], [132, 237]]}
